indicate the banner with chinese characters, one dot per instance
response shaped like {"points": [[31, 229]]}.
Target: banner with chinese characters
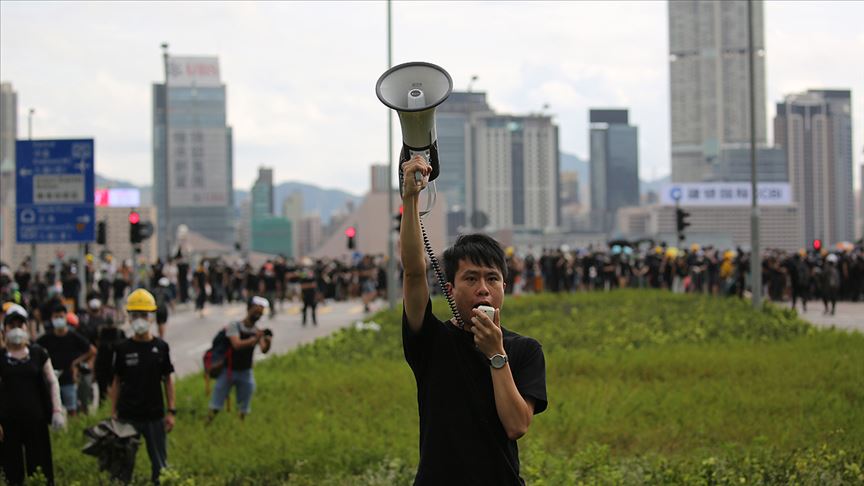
{"points": [[198, 164], [725, 194]]}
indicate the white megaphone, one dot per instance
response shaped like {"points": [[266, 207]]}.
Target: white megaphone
{"points": [[414, 89]]}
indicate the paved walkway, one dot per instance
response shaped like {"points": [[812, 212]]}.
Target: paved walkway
{"points": [[847, 315]]}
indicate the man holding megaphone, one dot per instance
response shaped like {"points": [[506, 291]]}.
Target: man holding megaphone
{"points": [[478, 384]]}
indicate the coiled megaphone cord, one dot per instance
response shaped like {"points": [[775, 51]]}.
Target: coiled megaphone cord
{"points": [[439, 275]]}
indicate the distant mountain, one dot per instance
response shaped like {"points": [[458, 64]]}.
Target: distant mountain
{"points": [[572, 163], [106, 183], [315, 199], [325, 202], [653, 186]]}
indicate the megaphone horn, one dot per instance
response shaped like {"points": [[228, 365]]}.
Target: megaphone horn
{"points": [[414, 89]]}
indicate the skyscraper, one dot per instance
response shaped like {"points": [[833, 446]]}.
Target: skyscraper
{"points": [[815, 129], [514, 179], [709, 84], [8, 135], [194, 184], [453, 125], [262, 194], [8, 122], [614, 166], [379, 177]]}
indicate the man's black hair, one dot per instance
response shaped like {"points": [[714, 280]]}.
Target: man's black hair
{"points": [[58, 308], [478, 249]]}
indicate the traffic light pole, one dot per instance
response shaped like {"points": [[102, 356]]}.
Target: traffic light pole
{"points": [[82, 278], [755, 252]]}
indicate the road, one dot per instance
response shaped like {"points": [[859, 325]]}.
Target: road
{"points": [[189, 335], [847, 315]]}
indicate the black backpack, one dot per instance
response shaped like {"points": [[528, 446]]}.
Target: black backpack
{"points": [[219, 355]]}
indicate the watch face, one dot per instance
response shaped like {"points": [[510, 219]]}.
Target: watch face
{"points": [[498, 361]]}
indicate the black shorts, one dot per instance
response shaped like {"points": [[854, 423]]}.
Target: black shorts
{"points": [[161, 316]]}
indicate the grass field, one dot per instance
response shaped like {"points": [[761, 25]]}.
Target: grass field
{"points": [[644, 387]]}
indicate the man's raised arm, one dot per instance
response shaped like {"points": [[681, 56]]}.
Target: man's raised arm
{"points": [[415, 291]]}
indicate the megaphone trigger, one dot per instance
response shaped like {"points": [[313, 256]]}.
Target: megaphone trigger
{"points": [[418, 178]]}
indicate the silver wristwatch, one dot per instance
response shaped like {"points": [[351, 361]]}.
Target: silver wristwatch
{"points": [[498, 361]]}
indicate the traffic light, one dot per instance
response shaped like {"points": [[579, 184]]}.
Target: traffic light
{"points": [[681, 219], [681, 222], [100, 233], [134, 227], [351, 232], [817, 244]]}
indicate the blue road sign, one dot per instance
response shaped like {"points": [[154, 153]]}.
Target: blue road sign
{"points": [[54, 191]]}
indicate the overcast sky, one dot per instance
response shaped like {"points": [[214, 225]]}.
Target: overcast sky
{"points": [[300, 76]]}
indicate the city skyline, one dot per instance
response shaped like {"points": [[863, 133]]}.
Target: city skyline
{"points": [[287, 106]]}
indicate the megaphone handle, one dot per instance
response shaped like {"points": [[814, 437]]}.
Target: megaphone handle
{"points": [[418, 177]]}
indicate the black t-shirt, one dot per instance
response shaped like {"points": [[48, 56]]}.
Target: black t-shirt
{"points": [[462, 440], [141, 368], [63, 350], [23, 389]]}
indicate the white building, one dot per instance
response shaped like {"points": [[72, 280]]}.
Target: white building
{"points": [[515, 176], [815, 129], [709, 83], [721, 226]]}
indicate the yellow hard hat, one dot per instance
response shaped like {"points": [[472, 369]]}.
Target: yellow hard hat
{"points": [[141, 301], [89, 258], [694, 247], [672, 252]]}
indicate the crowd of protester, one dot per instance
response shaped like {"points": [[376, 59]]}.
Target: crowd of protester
{"points": [[786, 276]]}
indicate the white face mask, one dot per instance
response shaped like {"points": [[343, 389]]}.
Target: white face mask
{"points": [[140, 326], [16, 336], [59, 322]]}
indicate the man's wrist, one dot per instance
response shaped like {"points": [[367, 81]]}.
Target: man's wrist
{"points": [[172, 412]]}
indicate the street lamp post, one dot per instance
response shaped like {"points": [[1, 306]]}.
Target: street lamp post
{"points": [[166, 235], [391, 235], [471, 83], [34, 267], [755, 257]]}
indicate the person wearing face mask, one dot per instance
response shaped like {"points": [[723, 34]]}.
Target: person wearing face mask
{"points": [[29, 402], [142, 371], [244, 336], [67, 349]]}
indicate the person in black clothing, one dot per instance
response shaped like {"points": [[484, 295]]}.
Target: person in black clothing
{"points": [[108, 336], [799, 277], [199, 282], [830, 283], [67, 349], [309, 290], [29, 401], [142, 368], [243, 336], [478, 386], [162, 294]]}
